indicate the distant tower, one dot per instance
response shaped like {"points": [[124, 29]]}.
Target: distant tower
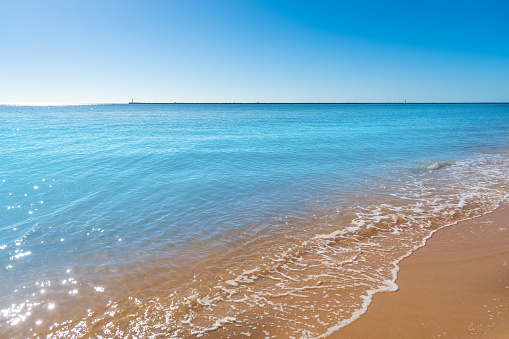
{"points": [[132, 101]]}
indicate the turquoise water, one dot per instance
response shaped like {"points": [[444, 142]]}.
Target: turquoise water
{"points": [[108, 210]]}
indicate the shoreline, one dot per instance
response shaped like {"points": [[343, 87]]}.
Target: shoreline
{"points": [[457, 285]]}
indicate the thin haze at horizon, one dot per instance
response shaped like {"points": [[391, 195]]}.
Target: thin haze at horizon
{"points": [[76, 52]]}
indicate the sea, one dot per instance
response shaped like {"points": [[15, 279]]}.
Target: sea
{"points": [[228, 220]]}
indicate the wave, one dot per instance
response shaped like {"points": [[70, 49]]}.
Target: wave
{"points": [[436, 165], [303, 276]]}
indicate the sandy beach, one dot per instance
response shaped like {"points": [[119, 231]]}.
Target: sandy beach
{"points": [[456, 286], [254, 220]]}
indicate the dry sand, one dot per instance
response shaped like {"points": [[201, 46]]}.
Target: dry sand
{"points": [[457, 286]]}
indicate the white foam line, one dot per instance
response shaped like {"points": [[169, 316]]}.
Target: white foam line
{"points": [[297, 289], [391, 284]]}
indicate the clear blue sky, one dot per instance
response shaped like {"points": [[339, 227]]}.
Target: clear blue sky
{"points": [[100, 51]]}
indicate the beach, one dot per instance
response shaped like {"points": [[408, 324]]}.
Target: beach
{"points": [[456, 286], [272, 221], [254, 169]]}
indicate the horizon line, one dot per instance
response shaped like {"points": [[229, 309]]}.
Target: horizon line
{"points": [[264, 103], [320, 103]]}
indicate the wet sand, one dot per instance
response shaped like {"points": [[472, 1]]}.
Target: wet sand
{"points": [[456, 286]]}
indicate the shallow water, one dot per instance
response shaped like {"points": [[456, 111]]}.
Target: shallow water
{"points": [[216, 220]]}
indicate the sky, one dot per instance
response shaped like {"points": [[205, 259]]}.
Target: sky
{"points": [[113, 51]]}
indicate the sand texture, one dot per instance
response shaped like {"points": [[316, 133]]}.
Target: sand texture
{"points": [[456, 286]]}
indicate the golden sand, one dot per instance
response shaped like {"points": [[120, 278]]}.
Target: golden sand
{"points": [[457, 286]]}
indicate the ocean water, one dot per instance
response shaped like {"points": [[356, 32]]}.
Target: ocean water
{"points": [[263, 220]]}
